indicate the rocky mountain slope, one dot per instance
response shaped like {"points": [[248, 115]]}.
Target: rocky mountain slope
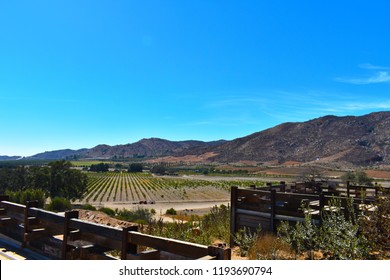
{"points": [[151, 147], [362, 140], [145, 148]]}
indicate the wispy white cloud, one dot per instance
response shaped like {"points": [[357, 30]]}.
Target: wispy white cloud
{"points": [[359, 106], [370, 66], [263, 109], [378, 74], [377, 77]]}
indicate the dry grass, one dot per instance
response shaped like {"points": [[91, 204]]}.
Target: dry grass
{"points": [[269, 247]]}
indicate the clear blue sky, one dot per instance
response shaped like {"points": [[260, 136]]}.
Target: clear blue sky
{"points": [[76, 74]]}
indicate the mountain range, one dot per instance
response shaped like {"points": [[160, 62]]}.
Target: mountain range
{"points": [[357, 140]]}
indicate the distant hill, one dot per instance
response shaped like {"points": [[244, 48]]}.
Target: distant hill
{"points": [[145, 148], [151, 147], [9, 158], [60, 154], [362, 141]]}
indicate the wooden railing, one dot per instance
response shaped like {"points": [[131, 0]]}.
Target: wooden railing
{"points": [[266, 206], [64, 236]]}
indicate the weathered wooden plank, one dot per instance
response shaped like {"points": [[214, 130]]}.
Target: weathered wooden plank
{"points": [[47, 216], [13, 207], [97, 229], [100, 240], [183, 248], [253, 213]]}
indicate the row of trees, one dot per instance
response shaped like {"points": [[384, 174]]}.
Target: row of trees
{"points": [[104, 167], [57, 179]]}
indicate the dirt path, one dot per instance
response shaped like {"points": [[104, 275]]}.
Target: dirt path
{"points": [[191, 207]]}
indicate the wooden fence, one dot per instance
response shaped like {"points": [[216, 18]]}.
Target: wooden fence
{"points": [[265, 207], [64, 236]]}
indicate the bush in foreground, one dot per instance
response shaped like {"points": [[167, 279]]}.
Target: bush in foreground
{"points": [[23, 196], [59, 204]]}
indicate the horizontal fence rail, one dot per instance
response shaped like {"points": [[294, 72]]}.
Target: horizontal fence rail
{"points": [[65, 236]]}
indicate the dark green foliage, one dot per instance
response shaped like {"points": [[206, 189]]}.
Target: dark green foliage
{"points": [[375, 225], [359, 178], [217, 222], [141, 215], [108, 211], [171, 211], [100, 167], [301, 237], [39, 177], [56, 179], [66, 182], [22, 197], [88, 207], [202, 230], [135, 167], [246, 239], [159, 169], [13, 178], [59, 204], [338, 237]]}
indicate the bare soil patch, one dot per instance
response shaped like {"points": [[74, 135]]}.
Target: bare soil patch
{"points": [[378, 174]]}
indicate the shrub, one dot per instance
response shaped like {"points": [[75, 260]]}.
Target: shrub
{"points": [[338, 237], [140, 215], [301, 237], [88, 207], [171, 211], [107, 211], [217, 223], [59, 204], [205, 230], [270, 247], [375, 225], [22, 197], [246, 239]]}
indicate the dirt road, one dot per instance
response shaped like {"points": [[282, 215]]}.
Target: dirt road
{"points": [[191, 207]]}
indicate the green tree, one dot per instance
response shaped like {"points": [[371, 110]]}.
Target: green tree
{"points": [[66, 182], [100, 167], [59, 204], [22, 196], [358, 178], [135, 167], [158, 169], [39, 178]]}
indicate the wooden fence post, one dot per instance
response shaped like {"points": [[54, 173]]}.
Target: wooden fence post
{"points": [[68, 215], [26, 226], [376, 190], [233, 201], [273, 210], [220, 253], [126, 246], [283, 186], [322, 202]]}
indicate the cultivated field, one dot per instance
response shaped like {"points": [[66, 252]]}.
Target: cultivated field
{"points": [[124, 188]]}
